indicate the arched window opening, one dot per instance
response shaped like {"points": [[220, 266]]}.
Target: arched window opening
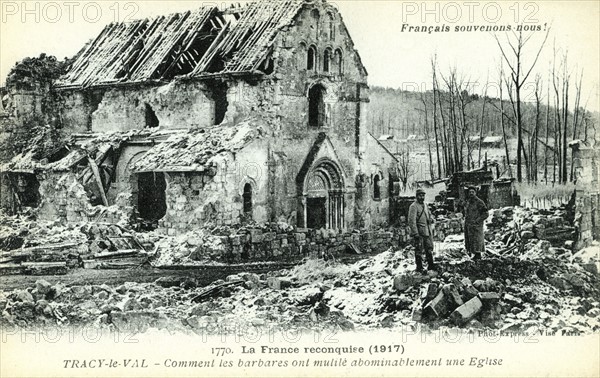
{"points": [[247, 197], [311, 61], [376, 188], [339, 63], [331, 29], [326, 60], [150, 117], [316, 17], [301, 57], [316, 106]]}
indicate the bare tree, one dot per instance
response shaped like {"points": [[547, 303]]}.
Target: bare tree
{"points": [[435, 124], [502, 123], [424, 102], [519, 76], [484, 101], [406, 169], [533, 140], [576, 116]]}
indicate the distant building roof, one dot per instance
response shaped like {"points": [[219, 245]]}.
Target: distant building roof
{"points": [[492, 139]]}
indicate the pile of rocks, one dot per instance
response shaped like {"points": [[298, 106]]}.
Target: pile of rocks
{"points": [[509, 223], [53, 247], [457, 301]]}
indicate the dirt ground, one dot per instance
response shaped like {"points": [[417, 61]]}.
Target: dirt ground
{"points": [[203, 275]]}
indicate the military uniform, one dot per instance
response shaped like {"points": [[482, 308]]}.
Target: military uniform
{"points": [[420, 222], [476, 213]]}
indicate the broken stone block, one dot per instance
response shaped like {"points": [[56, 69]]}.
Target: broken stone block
{"points": [[466, 312], [131, 305], [417, 315], [311, 297], [512, 300], [250, 285], [574, 280], [232, 278], [452, 294], [165, 282], [250, 277], [103, 295], [590, 267], [277, 283], [469, 292], [405, 281], [321, 309], [560, 282], [438, 305], [526, 235], [489, 298], [43, 286], [429, 292], [387, 321], [474, 324]]}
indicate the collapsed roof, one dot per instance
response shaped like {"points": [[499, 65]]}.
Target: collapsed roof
{"points": [[196, 43], [75, 151], [195, 150]]}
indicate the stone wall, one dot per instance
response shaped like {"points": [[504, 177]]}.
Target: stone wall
{"points": [[587, 218], [452, 225], [271, 245], [215, 198], [378, 163]]}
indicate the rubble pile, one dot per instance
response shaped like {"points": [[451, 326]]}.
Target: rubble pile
{"points": [[66, 199], [380, 291], [31, 246], [197, 247], [529, 233], [446, 225]]}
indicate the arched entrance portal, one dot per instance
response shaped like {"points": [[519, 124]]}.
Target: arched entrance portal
{"points": [[323, 197]]}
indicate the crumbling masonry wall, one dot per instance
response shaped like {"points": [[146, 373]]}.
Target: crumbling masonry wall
{"points": [[177, 105], [64, 199], [214, 197]]}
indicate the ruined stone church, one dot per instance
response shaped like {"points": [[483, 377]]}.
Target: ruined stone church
{"points": [[215, 116]]}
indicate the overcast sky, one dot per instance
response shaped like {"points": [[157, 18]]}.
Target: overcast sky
{"points": [[393, 51]]}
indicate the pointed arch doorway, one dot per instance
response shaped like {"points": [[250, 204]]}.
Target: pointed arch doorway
{"points": [[323, 197]]}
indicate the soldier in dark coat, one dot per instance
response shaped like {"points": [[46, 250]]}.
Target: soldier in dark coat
{"points": [[476, 212], [420, 222]]}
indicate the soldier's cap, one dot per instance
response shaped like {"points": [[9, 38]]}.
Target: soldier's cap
{"points": [[471, 187], [420, 191]]}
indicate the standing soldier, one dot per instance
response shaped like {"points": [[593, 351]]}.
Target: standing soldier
{"points": [[420, 221], [475, 212]]}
